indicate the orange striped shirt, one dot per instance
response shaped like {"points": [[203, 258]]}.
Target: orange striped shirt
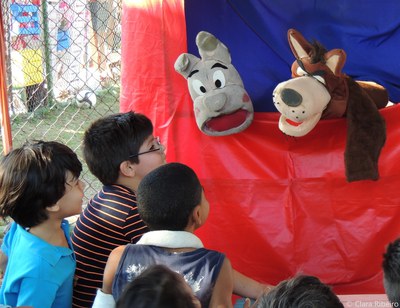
{"points": [[110, 219]]}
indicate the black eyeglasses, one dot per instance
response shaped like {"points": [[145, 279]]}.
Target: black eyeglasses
{"points": [[156, 142]]}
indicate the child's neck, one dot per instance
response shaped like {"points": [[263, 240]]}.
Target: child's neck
{"points": [[128, 182], [51, 232], [190, 228]]}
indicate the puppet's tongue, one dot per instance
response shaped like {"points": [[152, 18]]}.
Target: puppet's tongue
{"points": [[293, 123], [227, 121]]}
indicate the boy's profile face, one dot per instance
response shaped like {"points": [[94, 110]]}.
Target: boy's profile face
{"points": [[150, 160], [71, 202]]}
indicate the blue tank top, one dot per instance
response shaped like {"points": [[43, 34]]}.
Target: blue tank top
{"points": [[200, 268]]}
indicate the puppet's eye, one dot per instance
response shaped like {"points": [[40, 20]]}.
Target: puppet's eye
{"points": [[301, 72], [320, 79], [219, 79], [198, 87]]}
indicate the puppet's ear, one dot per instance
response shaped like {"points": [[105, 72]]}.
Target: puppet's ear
{"points": [[185, 63], [300, 47], [211, 48], [335, 60]]}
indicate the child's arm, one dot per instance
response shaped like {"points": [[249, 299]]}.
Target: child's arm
{"points": [[104, 298], [222, 292], [247, 287], [111, 269]]}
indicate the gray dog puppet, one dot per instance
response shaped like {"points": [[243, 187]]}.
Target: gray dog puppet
{"points": [[221, 104]]}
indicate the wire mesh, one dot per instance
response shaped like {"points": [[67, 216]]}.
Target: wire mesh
{"points": [[63, 60]]}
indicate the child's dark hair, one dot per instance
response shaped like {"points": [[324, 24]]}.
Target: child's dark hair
{"points": [[157, 286], [300, 292], [32, 178], [167, 196], [110, 140], [391, 272]]}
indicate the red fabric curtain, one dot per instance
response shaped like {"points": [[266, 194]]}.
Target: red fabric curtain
{"points": [[279, 205]]}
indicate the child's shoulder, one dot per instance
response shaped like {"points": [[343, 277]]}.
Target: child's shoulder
{"points": [[9, 237], [115, 191], [113, 260], [117, 252], [25, 251]]}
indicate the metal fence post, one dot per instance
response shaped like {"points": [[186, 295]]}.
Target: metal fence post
{"points": [[5, 116], [47, 51]]}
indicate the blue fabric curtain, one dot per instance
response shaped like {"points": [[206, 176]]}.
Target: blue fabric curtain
{"points": [[255, 31]]}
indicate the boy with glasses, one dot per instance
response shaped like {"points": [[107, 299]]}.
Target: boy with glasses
{"points": [[119, 150]]}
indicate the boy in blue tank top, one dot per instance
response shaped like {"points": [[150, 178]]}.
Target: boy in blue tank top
{"points": [[39, 188], [172, 203]]}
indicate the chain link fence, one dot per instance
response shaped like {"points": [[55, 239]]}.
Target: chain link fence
{"points": [[63, 65]]}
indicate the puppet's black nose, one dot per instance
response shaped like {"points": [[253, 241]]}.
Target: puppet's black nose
{"points": [[291, 97]]}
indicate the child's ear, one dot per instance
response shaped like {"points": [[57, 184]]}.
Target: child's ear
{"points": [[196, 216], [127, 169], [53, 208]]}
